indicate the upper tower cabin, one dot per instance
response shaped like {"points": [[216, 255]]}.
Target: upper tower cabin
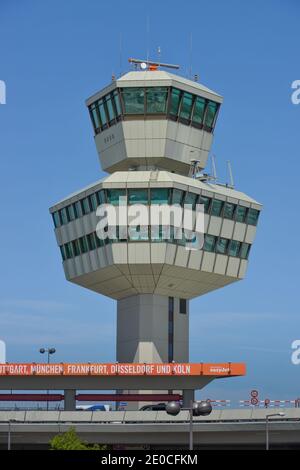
{"points": [[153, 120]]}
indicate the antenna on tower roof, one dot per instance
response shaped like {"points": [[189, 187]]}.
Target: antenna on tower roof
{"points": [[231, 185], [214, 168], [151, 65]]}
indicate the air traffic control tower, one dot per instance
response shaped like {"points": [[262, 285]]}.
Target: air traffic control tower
{"points": [[152, 128]]}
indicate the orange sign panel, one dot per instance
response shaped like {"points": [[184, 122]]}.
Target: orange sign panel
{"points": [[111, 369]]}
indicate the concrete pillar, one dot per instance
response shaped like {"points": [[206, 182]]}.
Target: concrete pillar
{"points": [[188, 395], [70, 400], [147, 331], [152, 328]]}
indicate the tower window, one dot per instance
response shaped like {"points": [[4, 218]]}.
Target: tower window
{"points": [[221, 246], [56, 219], [206, 201], [113, 195], [76, 248], [117, 103], [159, 196], [216, 207], [244, 254], [234, 248], [156, 100], [177, 196], [110, 108], [229, 210], [134, 100], [191, 198], [252, 216], [186, 106], [64, 216], [182, 306], [83, 245], [241, 214], [199, 108], [175, 102], [210, 114], [85, 205], [209, 243], [138, 196]]}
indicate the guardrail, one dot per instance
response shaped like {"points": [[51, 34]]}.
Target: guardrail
{"points": [[123, 417]]}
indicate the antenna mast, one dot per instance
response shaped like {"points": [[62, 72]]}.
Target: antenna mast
{"points": [[230, 174]]}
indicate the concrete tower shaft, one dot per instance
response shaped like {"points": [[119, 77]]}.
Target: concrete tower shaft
{"points": [[152, 328]]}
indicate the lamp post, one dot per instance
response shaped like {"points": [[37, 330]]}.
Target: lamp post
{"points": [[267, 426], [196, 408], [10, 421], [49, 351]]}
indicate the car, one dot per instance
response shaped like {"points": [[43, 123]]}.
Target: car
{"points": [[94, 407], [155, 407]]}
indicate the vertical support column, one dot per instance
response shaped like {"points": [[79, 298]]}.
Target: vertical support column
{"points": [[70, 400], [188, 396], [152, 328]]}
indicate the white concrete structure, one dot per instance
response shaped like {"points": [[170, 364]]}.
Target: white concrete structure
{"points": [[148, 127]]}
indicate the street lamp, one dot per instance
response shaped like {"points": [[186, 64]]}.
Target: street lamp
{"points": [[196, 408], [267, 426], [49, 351], [10, 421]]}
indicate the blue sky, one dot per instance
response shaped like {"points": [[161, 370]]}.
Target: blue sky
{"points": [[53, 56]]}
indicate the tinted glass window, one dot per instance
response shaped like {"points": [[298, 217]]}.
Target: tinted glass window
{"points": [[177, 196], [110, 108], [117, 103], [83, 245], [241, 213], [101, 196], [133, 100], [209, 243], [252, 216], [211, 111], [91, 241], [56, 219], [216, 207], [245, 248], [206, 201], [62, 251], [159, 196], [93, 201], [156, 99], [85, 205], [229, 210], [113, 195], [76, 248], [68, 250], [139, 233], [234, 248], [71, 212], [138, 196], [78, 208], [199, 108], [95, 116], [191, 198], [64, 216], [102, 112], [186, 106], [182, 305], [175, 101], [222, 244]]}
